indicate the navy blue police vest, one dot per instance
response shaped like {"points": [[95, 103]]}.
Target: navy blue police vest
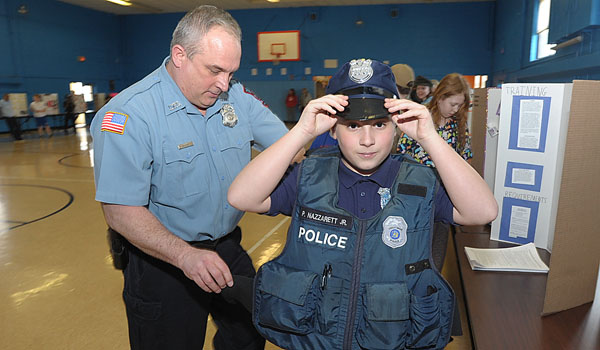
{"points": [[346, 283]]}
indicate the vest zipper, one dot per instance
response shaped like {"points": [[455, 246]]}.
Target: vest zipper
{"points": [[354, 286]]}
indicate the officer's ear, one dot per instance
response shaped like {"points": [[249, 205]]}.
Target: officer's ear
{"points": [[178, 55]]}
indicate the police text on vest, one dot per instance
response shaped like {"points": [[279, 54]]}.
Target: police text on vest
{"points": [[329, 239]]}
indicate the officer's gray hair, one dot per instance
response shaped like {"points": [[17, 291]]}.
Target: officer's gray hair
{"points": [[196, 23]]}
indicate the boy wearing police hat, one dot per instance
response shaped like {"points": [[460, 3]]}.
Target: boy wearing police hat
{"points": [[356, 269]]}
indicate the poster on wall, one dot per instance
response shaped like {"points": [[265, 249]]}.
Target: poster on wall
{"points": [[19, 104], [531, 141], [51, 103]]}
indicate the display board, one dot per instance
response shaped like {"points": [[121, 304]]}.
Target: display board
{"points": [[51, 103], [491, 136], [531, 143], [576, 250], [19, 104]]}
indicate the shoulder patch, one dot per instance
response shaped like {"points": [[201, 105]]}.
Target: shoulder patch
{"points": [[249, 92], [114, 122]]}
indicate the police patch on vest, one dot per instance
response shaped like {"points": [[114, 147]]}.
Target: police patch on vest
{"points": [[394, 231], [326, 218]]}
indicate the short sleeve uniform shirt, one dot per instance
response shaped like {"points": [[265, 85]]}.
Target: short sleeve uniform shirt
{"points": [[153, 148]]}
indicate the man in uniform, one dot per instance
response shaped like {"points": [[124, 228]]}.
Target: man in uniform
{"points": [[166, 150]]}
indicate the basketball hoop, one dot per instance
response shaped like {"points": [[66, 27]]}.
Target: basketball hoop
{"points": [[276, 60]]}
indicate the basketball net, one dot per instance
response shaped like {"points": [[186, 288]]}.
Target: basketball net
{"points": [[276, 60]]}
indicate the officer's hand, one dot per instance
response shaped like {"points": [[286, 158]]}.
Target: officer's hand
{"points": [[207, 269], [319, 114], [412, 118]]}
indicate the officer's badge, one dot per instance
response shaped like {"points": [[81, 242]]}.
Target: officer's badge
{"points": [[230, 119], [394, 231], [360, 70]]}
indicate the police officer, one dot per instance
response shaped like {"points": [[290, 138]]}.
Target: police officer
{"points": [[166, 150], [356, 271]]}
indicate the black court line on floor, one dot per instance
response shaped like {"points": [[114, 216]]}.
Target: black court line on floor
{"points": [[13, 222], [71, 198], [60, 161]]}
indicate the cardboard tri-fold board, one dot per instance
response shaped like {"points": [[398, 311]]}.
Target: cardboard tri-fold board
{"points": [[531, 144], [484, 132], [576, 248]]}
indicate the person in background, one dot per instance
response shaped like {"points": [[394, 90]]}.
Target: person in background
{"points": [[69, 106], [38, 108], [404, 75], [166, 150], [421, 90], [361, 222], [7, 112], [305, 98], [291, 104]]}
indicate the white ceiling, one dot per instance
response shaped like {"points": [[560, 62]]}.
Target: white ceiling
{"points": [[166, 6]]}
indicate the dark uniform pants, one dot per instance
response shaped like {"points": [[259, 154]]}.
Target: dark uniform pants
{"points": [[166, 310]]}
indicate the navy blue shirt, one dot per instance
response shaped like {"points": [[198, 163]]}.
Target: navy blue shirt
{"points": [[357, 193]]}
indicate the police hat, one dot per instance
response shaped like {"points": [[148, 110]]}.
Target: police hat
{"points": [[366, 83]]}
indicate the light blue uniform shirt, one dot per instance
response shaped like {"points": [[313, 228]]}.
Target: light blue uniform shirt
{"points": [[175, 161]]}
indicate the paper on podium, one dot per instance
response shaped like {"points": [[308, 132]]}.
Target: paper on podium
{"points": [[524, 258]]}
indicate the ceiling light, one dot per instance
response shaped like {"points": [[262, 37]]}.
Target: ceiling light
{"points": [[120, 2], [273, 0]]}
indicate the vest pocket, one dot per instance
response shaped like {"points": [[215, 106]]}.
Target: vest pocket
{"points": [[329, 309], [385, 313], [286, 298], [425, 320]]}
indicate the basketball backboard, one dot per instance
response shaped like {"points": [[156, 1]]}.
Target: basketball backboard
{"points": [[279, 46]]}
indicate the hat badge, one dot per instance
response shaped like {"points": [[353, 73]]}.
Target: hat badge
{"points": [[360, 70]]}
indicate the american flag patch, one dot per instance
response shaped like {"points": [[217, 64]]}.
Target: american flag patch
{"points": [[114, 122]]}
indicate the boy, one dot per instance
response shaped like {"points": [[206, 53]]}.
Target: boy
{"points": [[356, 271]]}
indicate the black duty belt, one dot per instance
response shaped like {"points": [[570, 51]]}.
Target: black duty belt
{"points": [[207, 244]]}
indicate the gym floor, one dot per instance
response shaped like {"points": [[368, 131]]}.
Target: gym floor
{"points": [[59, 289]]}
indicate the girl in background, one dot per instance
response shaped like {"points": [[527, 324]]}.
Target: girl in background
{"points": [[448, 106]]}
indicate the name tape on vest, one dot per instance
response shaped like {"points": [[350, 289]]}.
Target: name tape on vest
{"points": [[328, 239], [326, 218], [412, 190]]}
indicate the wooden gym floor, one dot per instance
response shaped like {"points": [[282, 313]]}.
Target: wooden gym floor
{"points": [[58, 288]]}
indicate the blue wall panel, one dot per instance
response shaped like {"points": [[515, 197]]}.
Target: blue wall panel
{"points": [[421, 36], [39, 49]]}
